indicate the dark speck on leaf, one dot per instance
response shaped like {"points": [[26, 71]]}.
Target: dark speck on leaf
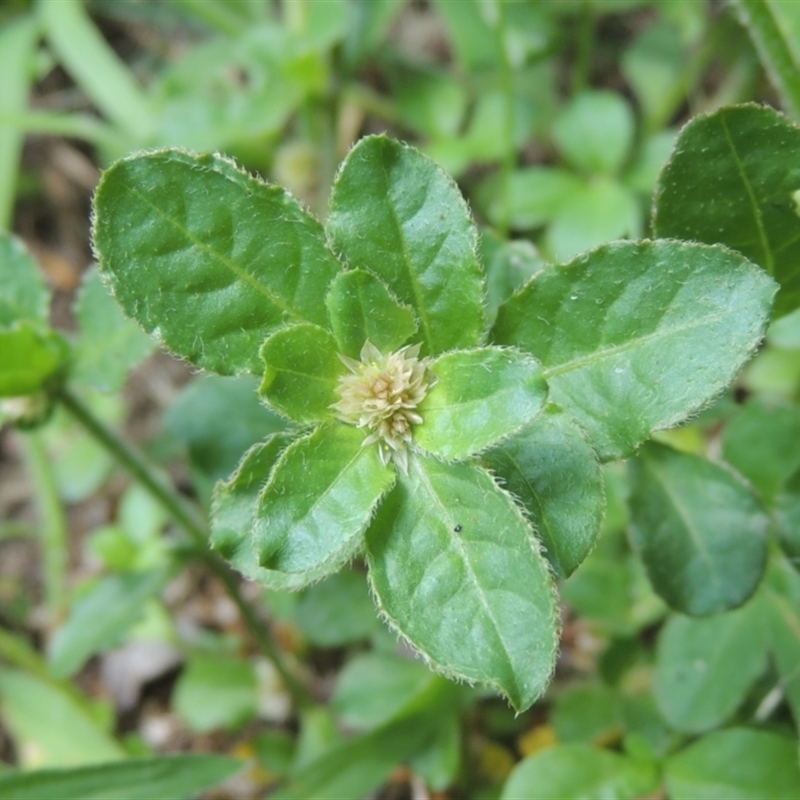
{"points": [[457, 529]]}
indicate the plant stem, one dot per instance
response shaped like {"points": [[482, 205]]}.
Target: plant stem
{"points": [[583, 58], [186, 516], [53, 529]]}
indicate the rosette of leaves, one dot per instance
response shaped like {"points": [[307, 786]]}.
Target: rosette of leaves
{"points": [[487, 492]]}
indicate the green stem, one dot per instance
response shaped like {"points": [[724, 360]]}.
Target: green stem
{"points": [[187, 517], [53, 527], [509, 150], [773, 49]]}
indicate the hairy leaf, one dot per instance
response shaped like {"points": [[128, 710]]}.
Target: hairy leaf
{"points": [[550, 467], [321, 494], [207, 257], [733, 179], [362, 308], [699, 530], [636, 336], [456, 569], [480, 397], [398, 215]]}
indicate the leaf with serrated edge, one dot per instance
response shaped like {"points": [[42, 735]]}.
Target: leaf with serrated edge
{"points": [[207, 257], [456, 570], [550, 467], [698, 528], [233, 512], [320, 497], [732, 179], [362, 308], [302, 370], [480, 397], [636, 336], [397, 214]]}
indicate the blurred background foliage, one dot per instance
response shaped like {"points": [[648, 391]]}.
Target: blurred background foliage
{"points": [[555, 117]]}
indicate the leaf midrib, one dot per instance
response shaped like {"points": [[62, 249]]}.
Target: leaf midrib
{"points": [[693, 534], [240, 273], [407, 262], [661, 333], [423, 477]]}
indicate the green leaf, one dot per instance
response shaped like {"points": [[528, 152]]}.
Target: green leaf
{"points": [[216, 692], [456, 570], [782, 605], [735, 764], [110, 345], [507, 264], [311, 521], [200, 416], [362, 308], [480, 397], [773, 29], [551, 469], [705, 667], [786, 517], [398, 215], [636, 336], [337, 611], [579, 772], [588, 713], [595, 212], [358, 766], [28, 359], [101, 618], [732, 179], [595, 132], [530, 196], [302, 371], [207, 257], [375, 688], [699, 530], [49, 726], [760, 442], [162, 778], [233, 513], [24, 295]]}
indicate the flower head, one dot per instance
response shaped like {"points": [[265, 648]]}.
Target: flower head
{"points": [[381, 393]]}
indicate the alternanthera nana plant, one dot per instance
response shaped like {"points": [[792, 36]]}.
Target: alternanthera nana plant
{"points": [[459, 457]]}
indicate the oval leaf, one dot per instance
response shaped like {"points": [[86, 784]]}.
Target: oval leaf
{"points": [[699, 530], [735, 764], [579, 771], [362, 308], [398, 215], [311, 521], [480, 396], [207, 257], [456, 570], [302, 370], [233, 513], [732, 180], [636, 336], [550, 468], [706, 667]]}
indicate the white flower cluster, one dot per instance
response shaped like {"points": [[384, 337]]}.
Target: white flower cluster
{"points": [[381, 393]]}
